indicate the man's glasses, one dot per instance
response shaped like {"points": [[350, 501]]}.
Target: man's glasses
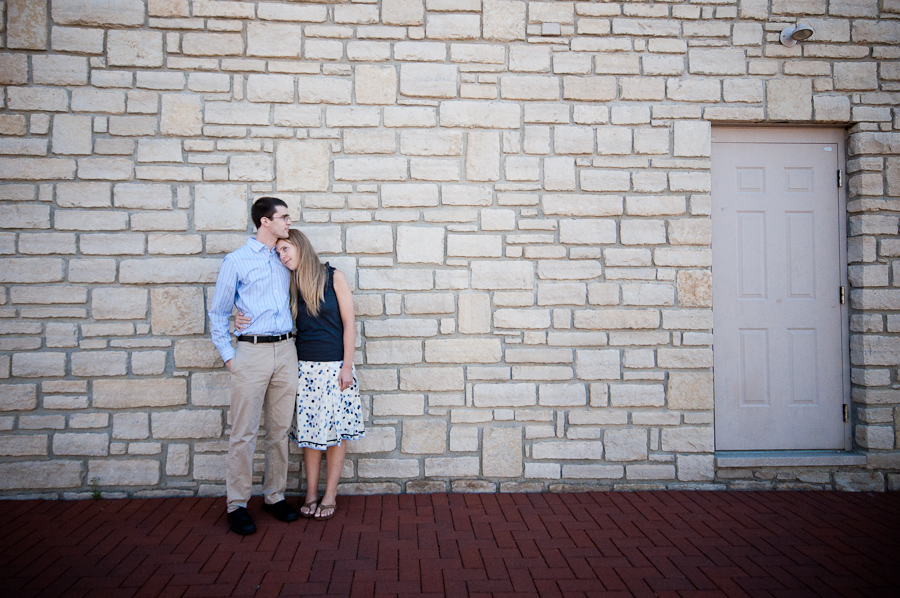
{"points": [[286, 218]]}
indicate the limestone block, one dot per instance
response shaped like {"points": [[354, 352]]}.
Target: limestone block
{"points": [[393, 352], [687, 439], [589, 88], [143, 392], [529, 87], [690, 390], [37, 98], [598, 364], [789, 99], [573, 140], [859, 481], [274, 40], [23, 445], [388, 468], [177, 311], [14, 71], [690, 232], [98, 363], [409, 195], [374, 169], [420, 244], [692, 139], [474, 313], [210, 468], [452, 26], [209, 389], [89, 270], [416, 51], [134, 48], [26, 25], [695, 468], [502, 275], [561, 293], [39, 475], [626, 445], [181, 115], [118, 303], [424, 437], [396, 279], [637, 395], [376, 84], [451, 467], [270, 88], [463, 439], [684, 358], [569, 270], [38, 365], [587, 231], [18, 397], [302, 165], [427, 303], [163, 270], [72, 134], [187, 423], [874, 437], [694, 288], [483, 156], [559, 174], [503, 20], [80, 443], [432, 379], [874, 350], [562, 395], [605, 180], [428, 80], [124, 472], [648, 294], [401, 327], [562, 450], [196, 353], [612, 140], [501, 452], [474, 245], [370, 239], [479, 114], [855, 76], [369, 142], [717, 61], [522, 318], [379, 439], [212, 44], [431, 143], [463, 351], [650, 472], [178, 459], [131, 426], [36, 169], [324, 90], [17, 216], [403, 12], [522, 168], [148, 363]]}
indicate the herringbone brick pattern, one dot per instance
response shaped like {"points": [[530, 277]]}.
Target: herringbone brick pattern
{"points": [[697, 544]]}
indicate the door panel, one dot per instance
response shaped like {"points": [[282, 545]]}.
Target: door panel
{"points": [[777, 271]]}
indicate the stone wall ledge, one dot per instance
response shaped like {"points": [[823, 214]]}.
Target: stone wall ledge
{"points": [[730, 459]]}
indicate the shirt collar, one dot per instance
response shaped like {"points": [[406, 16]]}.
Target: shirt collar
{"points": [[258, 246]]}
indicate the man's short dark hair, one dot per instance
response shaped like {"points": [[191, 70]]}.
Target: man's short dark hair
{"points": [[264, 207]]}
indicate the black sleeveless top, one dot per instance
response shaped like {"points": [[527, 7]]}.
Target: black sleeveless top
{"points": [[321, 338]]}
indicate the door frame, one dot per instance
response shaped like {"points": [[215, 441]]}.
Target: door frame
{"points": [[804, 134]]}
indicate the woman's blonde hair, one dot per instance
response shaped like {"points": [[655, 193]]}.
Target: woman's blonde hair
{"points": [[308, 280]]}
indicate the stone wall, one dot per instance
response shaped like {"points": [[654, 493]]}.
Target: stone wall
{"points": [[518, 192]]}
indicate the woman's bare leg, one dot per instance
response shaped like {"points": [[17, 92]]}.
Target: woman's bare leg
{"points": [[312, 461], [334, 455]]}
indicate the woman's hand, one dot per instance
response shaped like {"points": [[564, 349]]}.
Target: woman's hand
{"points": [[345, 378], [241, 321]]}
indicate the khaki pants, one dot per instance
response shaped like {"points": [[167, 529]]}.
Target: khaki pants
{"points": [[262, 375]]}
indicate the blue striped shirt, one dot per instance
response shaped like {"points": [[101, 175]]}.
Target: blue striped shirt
{"points": [[254, 280]]}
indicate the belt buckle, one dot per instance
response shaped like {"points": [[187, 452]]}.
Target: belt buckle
{"points": [[254, 339]]}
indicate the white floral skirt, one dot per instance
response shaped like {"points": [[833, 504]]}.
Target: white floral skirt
{"points": [[326, 415]]}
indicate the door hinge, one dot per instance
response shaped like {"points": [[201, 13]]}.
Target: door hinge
{"points": [[846, 413], [840, 174], [843, 296]]}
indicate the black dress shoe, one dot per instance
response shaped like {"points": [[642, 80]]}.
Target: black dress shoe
{"points": [[281, 511], [241, 522]]}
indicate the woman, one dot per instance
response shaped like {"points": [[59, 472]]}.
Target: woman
{"points": [[328, 406]]}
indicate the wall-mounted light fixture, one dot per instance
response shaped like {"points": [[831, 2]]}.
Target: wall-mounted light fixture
{"points": [[799, 32]]}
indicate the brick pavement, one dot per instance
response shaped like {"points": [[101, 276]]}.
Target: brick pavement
{"points": [[698, 544]]}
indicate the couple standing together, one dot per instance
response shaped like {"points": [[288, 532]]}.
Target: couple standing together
{"points": [[303, 380]]}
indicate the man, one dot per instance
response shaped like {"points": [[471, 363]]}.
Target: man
{"points": [[263, 366]]}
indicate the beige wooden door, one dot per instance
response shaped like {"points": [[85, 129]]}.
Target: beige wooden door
{"points": [[780, 356]]}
